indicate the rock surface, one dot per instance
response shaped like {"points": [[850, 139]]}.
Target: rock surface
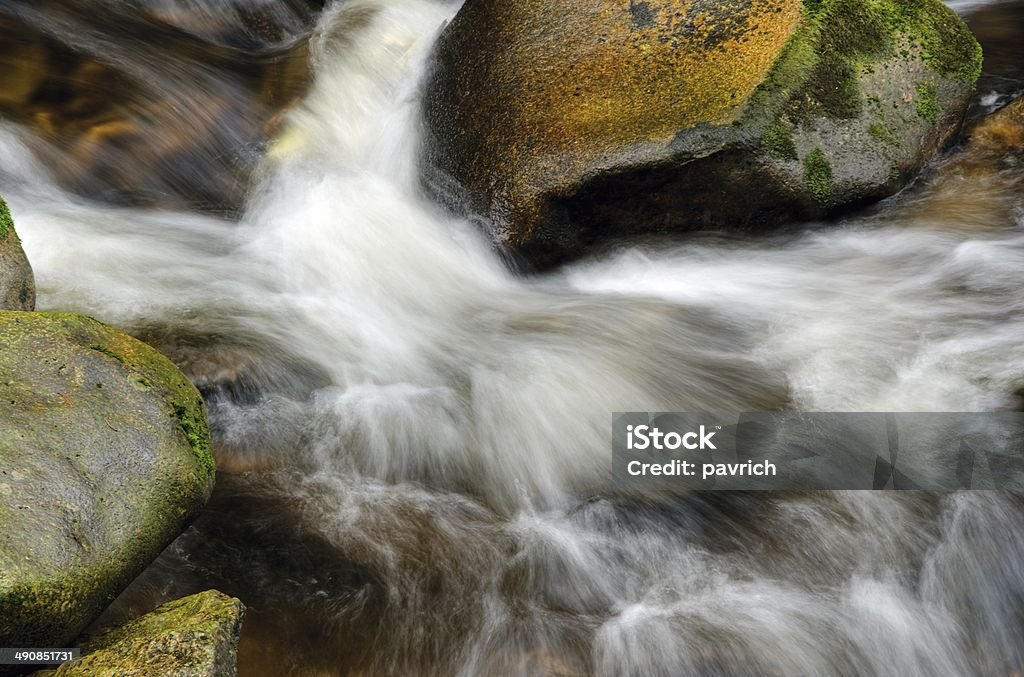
{"points": [[17, 285], [104, 459], [196, 636], [567, 123]]}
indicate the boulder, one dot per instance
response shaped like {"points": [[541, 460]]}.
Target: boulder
{"points": [[564, 124], [104, 460], [17, 285], [196, 636]]}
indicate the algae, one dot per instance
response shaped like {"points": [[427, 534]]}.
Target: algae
{"points": [[818, 177]]}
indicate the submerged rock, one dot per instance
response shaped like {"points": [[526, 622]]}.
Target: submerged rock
{"points": [[17, 285], [104, 459], [1000, 135], [196, 636], [567, 123], [153, 104]]}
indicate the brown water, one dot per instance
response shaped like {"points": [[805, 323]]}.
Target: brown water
{"points": [[412, 439]]}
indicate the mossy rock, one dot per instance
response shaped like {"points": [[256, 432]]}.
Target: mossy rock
{"points": [[17, 284], [196, 636], [563, 124], [104, 460]]}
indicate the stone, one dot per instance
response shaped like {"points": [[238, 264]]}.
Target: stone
{"points": [[565, 125], [104, 460], [196, 636]]}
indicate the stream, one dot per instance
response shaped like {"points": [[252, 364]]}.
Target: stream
{"points": [[413, 438]]}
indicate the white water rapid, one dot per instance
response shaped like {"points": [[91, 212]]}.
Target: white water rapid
{"points": [[415, 439]]}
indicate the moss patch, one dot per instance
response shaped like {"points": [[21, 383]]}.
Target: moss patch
{"points": [[193, 425], [778, 141], [948, 48], [846, 36], [928, 102], [6, 222], [839, 40], [818, 177], [880, 131], [195, 635]]}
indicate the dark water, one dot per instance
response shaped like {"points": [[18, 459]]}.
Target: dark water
{"points": [[411, 438]]}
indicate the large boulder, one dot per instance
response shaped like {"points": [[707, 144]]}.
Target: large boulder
{"points": [[196, 636], [564, 123], [104, 460], [17, 284]]}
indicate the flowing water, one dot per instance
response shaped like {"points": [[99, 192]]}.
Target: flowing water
{"points": [[413, 439]]}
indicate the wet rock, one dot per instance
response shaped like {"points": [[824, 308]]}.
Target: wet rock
{"points": [[1000, 136], [17, 284], [141, 106], [195, 637], [565, 124], [104, 459], [978, 186]]}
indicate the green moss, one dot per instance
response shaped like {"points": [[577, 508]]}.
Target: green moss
{"points": [[190, 636], [778, 142], [197, 434], [946, 44], [813, 7], [818, 177], [841, 39], [6, 222], [928, 102], [847, 36], [879, 130]]}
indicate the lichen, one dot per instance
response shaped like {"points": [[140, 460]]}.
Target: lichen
{"points": [[928, 102], [818, 177], [778, 142]]}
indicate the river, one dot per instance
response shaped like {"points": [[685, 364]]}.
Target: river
{"points": [[413, 438]]}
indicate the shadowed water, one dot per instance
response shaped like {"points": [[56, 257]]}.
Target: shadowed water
{"points": [[413, 442]]}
